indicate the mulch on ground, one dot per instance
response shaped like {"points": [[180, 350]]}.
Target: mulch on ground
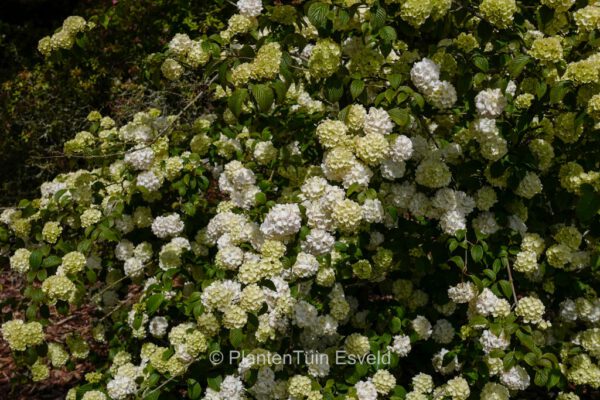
{"points": [[15, 383]]}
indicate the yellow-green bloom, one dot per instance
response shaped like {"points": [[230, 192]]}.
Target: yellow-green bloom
{"points": [[325, 59], [498, 12]]}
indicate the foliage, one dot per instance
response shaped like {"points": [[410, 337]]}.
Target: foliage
{"points": [[46, 100], [416, 178]]}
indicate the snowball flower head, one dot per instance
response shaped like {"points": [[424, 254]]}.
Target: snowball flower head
{"points": [[490, 103], [378, 121], [424, 74], [167, 226], [250, 8], [283, 220], [515, 378]]}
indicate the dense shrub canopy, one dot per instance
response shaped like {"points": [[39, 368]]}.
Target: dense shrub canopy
{"points": [[415, 178]]}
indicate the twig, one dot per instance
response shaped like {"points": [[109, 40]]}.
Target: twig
{"points": [[510, 279]]}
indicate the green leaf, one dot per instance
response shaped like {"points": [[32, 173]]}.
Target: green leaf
{"points": [[452, 245], [395, 325], [263, 95], [236, 337], [541, 377], [509, 360], [334, 90], [530, 358], [526, 340], [378, 18], [400, 116], [35, 259], [108, 234], [260, 198], [388, 34], [481, 63], [214, 382], [506, 288], [517, 64], [317, 14], [419, 100], [90, 275], [194, 390], [354, 188], [477, 253], [280, 90], [458, 261], [558, 92], [490, 274], [51, 261], [541, 89], [478, 320], [236, 100], [356, 88], [152, 395], [588, 205], [395, 80], [554, 378], [154, 302]]}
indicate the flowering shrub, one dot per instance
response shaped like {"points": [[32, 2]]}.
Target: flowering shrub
{"points": [[414, 179], [98, 62]]}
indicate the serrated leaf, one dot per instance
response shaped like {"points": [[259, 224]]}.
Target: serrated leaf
{"points": [[51, 261], [478, 320], [388, 34], [236, 100], [526, 340], [108, 234], [553, 378], [90, 275], [356, 88], [395, 80], [317, 14], [378, 18], [400, 116], [541, 89], [280, 90], [334, 90], [541, 377], [517, 64], [482, 63], [530, 359], [263, 95]]}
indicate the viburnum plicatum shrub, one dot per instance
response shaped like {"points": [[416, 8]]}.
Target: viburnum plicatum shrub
{"points": [[418, 177]]}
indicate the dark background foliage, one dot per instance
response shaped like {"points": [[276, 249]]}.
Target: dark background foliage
{"points": [[44, 102]]}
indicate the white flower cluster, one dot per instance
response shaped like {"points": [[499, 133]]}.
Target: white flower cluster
{"points": [[425, 75], [239, 183]]}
